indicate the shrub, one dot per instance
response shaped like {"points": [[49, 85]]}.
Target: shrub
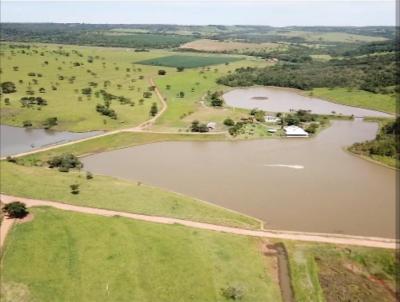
{"points": [[27, 124], [8, 87], [162, 72], [50, 122], [153, 109], [180, 69], [65, 162], [89, 175], [233, 293], [74, 189], [312, 128], [229, 122], [15, 209]]}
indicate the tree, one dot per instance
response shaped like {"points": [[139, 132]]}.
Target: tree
{"points": [[153, 109], [8, 87], [50, 122], [74, 189], [162, 72], [229, 122], [16, 209], [65, 162], [181, 94]]}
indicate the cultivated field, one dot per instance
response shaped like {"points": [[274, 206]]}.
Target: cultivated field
{"points": [[189, 61], [89, 258], [227, 46]]}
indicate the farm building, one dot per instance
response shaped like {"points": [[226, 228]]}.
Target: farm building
{"points": [[294, 131]]}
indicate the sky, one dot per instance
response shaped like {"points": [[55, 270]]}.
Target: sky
{"points": [[202, 12]]}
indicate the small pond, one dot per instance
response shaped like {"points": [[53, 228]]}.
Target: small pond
{"points": [[275, 99], [14, 140]]}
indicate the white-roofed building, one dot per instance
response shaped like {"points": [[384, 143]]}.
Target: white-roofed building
{"points": [[295, 131]]}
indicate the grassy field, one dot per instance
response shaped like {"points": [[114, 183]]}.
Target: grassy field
{"points": [[94, 258], [358, 98], [331, 36], [59, 73], [195, 83], [114, 194], [323, 272], [189, 61]]}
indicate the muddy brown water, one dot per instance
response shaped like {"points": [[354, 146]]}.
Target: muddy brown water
{"points": [[14, 140], [292, 184], [275, 99]]}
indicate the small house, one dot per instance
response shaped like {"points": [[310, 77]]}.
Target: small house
{"points": [[271, 119], [295, 131]]}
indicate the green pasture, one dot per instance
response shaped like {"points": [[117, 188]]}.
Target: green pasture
{"points": [[65, 256], [56, 67]]}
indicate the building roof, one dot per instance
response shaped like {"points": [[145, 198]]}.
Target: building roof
{"points": [[295, 131]]}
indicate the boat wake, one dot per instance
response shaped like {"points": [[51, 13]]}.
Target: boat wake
{"points": [[285, 166]]}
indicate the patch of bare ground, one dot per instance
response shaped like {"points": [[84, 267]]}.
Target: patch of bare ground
{"points": [[27, 218], [15, 292], [341, 281]]}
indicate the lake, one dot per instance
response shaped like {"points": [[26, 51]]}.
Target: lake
{"points": [[14, 140], [291, 184], [275, 99]]}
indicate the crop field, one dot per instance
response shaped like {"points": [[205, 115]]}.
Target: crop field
{"points": [[222, 46], [72, 81], [188, 61], [91, 258]]}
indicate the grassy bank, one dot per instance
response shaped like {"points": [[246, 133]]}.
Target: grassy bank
{"points": [[114, 194], [94, 258], [114, 141], [384, 148], [322, 272], [358, 98]]}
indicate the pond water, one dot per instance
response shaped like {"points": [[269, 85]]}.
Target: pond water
{"points": [[291, 184], [275, 99], [14, 140]]}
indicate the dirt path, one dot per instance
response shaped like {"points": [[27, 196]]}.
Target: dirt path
{"points": [[5, 227], [300, 236]]}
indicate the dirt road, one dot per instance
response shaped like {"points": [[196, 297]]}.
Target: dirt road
{"points": [[300, 236]]}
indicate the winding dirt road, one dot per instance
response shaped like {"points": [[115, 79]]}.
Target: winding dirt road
{"points": [[300, 236]]}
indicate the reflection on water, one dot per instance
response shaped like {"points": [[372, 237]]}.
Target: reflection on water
{"points": [[14, 140], [276, 99], [335, 192]]}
